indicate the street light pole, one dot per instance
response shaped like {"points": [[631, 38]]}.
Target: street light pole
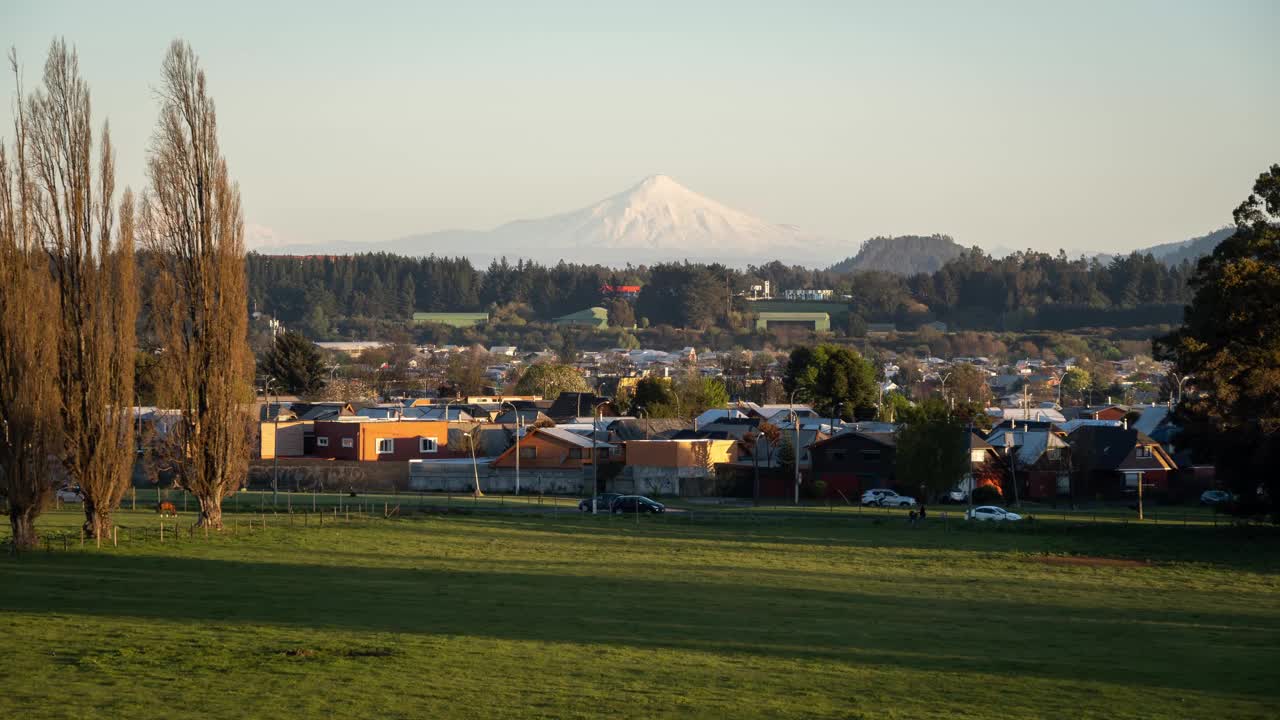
{"points": [[517, 412], [1182, 380], [475, 469], [795, 419], [275, 444], [595, 477]]}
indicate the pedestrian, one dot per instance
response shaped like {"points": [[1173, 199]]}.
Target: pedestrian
{"points": [[923, 512], [911, 518]]}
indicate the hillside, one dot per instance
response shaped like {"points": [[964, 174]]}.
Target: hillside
{"points": [[903, 255], [1193, 249]]}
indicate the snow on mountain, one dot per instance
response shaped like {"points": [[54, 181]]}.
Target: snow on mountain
{"points": [[657, 214], [657, 219]]}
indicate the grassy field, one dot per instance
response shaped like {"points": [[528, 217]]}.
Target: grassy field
{"points": [[730, 614]]}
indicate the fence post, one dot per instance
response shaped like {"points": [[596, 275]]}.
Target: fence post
{"points": [[133, 503], [162, 532]]}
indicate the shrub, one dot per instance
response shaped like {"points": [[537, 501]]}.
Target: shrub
{"points": [[986, 495]]}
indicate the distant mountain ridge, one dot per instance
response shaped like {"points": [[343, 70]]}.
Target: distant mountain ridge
{"points": [[1194, 249], [903, 254]]}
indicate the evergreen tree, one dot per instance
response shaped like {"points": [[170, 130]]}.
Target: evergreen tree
{"points": [[295, 364]]}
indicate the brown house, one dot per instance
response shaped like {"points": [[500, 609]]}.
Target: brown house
{"points": [[554, 449], [373, 440]]}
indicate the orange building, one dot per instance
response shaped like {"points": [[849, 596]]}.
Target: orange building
{"points": [[375, 440]]}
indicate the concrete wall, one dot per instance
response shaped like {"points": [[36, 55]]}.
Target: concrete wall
{"points": [[329, 475], [459, 478]]}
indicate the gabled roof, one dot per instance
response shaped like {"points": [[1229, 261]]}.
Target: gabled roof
{"points": [[574, 404], [569, 438], [977, 443], [1106, 448], [886, 439], [647, 429]]}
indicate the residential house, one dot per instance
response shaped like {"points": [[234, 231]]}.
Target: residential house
{"points": [[1110, 462], [851, 463], [555, 449]]}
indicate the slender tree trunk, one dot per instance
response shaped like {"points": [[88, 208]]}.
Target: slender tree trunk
{"points": [[210, 511], [23, 522]]}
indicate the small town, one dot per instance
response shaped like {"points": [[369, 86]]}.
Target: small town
{"points": [[557, 360]]}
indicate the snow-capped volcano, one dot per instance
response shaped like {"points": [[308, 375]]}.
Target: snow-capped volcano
{"points": [[658, 214], [656, 220]]}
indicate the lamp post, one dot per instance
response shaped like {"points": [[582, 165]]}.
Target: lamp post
{"points": [[595, 428], [475, 469], [275, 443], [795, 419], [1060, 378], [1182, 380], [517, 412], [1012, 456]]}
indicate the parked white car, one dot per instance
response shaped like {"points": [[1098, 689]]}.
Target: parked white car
{"points": [[991, 512], [887, 498], [1215, 497], [69, 494]]}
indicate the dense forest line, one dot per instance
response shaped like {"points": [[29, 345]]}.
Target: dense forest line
{"points": [[329, 296]]}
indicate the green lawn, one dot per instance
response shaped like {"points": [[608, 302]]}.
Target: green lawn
{"points": [[831, 614]]}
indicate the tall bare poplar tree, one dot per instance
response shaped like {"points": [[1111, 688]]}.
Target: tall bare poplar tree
{"points": [[92, 265], [192, 224], [29, 427]]}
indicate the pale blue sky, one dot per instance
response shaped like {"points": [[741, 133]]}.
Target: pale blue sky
{"points": [[1085, 125]]}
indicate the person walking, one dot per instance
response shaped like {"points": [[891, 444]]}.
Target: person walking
{"points": [[923, 513]]}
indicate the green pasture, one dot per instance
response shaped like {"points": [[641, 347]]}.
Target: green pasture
{"points": [[717, 613]]}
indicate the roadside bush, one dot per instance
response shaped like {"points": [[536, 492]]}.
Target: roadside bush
{"points": [[986, 495]]}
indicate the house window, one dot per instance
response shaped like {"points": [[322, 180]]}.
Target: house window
{"points": [[322, 442], [871, 456], [426, 445], [1144, 452], [575, 453], [348, 442], [528, 452], [386, 446]]}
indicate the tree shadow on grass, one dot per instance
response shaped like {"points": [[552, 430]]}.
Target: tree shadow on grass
{"points": [[912, 629], [1255, 548]]}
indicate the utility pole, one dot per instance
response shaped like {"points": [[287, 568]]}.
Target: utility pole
{"points": [[275, 443], [795, 418], [517, 412]]}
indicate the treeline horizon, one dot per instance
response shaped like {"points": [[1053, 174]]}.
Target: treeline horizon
{"points": [[325, 295]]}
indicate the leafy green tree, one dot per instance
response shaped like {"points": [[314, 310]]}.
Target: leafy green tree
{"points": [[699, 394], [1229, 344], [295, 363], [932, 449], [549, 380], [894, 407], [836, 380], [655, 397], [1074, 382]]}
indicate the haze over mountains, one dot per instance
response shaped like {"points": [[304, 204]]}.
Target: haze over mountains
{"points": [[660, 220]]}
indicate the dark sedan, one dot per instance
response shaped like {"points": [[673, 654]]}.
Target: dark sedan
{"points": [[637, 504], [604, 501]]}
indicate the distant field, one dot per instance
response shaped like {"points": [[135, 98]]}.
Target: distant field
{"points": [[718, 613]]}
